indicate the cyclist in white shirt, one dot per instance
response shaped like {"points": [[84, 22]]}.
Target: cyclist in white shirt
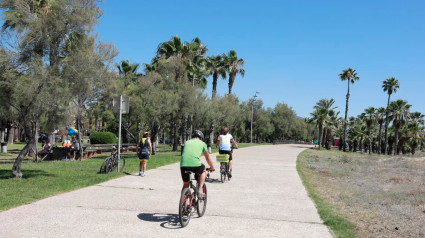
{"points": [[224, 142]]}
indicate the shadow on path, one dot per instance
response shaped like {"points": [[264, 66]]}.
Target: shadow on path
{"points": [[168, 221], [211, 180]]}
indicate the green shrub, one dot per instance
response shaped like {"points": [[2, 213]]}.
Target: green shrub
{"points": [[103, 138]]}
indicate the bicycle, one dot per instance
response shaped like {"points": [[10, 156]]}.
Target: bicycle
{"points": [[223, 159], [189, 201], [111, 163]]}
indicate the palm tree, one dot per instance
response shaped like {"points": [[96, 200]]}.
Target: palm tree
{"points": [[380, 118], [318, 117], [414, 133], [400, 112], [197, 71], [217, 67], [323, 110], [234, 66], [331, 125], [351, 76], [390, 86], [128, 72], [417, 117], [369, 117]]}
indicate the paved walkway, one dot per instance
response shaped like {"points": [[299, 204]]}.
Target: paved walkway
{"points": [[265, 198]]}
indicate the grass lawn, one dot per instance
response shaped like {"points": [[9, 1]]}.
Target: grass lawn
{"points": [[41, 180], [361, 195]]}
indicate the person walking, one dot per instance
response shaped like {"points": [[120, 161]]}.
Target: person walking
{"points": [[144, 150]]}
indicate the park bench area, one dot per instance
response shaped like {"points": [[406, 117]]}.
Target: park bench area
{"points": [[90, 150]]}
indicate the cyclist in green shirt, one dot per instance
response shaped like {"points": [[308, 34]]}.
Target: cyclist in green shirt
{"points": [[191, 160]]}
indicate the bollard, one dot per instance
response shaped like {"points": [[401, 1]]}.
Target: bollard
{"points": [[209, 149], [4, 147]]}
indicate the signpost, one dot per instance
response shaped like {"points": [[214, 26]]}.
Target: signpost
{"points": [[120, 105]]}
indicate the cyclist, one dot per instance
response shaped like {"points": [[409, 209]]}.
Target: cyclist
{"points": [[226, 143], [191, 161], [144, 149]]}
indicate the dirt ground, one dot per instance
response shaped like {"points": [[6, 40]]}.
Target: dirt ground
{"points": [[383, 196]]}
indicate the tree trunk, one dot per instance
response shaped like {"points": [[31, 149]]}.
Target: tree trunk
{"points": [[386, 124], [183, 130], [212, 133], [124, 133], [80, 139], [369, 141], [214, 89], [2, 131], [231, 81], [346, 117], [396, 142], [29, 133], [320, 135], [35, 133], [10, 133], [380, 138], [324, 137], [329, 139], [175, 137]]}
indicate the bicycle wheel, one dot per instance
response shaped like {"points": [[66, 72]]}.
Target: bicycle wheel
{"points": [[103, 167], [223, 172], [110, 165], [185, 207], [202, 202]]}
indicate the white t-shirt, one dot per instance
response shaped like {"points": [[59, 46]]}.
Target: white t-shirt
{"points": [[225, 142]]}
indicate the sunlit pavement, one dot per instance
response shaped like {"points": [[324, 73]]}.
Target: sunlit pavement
{"points": [[265, 198]]}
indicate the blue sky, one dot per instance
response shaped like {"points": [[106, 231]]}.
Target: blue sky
{"points": [[294, 50]]}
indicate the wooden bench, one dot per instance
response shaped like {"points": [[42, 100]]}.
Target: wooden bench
{"points": [[100, 148]]}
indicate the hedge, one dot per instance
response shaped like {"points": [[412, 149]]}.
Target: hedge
{"points": [[103, 138]]}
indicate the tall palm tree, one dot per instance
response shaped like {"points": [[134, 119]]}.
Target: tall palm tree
{"points": [[400, 112], [380, 118], [234, 66], [217, 67], [350, 75], [390, 85], [369, 117]]}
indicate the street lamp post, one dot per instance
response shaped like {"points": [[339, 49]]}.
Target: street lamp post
{"points": [[252, 112]]}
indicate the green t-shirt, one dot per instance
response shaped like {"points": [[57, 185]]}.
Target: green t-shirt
{"points": [[192, 152]]}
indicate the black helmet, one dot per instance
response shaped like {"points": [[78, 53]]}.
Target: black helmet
{"points": [[198, 133]]}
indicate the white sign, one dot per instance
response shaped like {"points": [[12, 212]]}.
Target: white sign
{"points": [[125, 104]]}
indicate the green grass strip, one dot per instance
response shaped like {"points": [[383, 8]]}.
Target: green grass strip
{"points": [[340, 226]]}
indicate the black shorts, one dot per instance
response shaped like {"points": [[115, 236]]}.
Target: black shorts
{"points": [[144, 156], [228, 152], [197, 170]]}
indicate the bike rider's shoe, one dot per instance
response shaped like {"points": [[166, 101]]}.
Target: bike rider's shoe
{"points": [[201, 195], [140, 173], [230, 174], [143, 175]]}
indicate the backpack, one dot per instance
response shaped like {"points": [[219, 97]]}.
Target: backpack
{"points": [[144, 148]]}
